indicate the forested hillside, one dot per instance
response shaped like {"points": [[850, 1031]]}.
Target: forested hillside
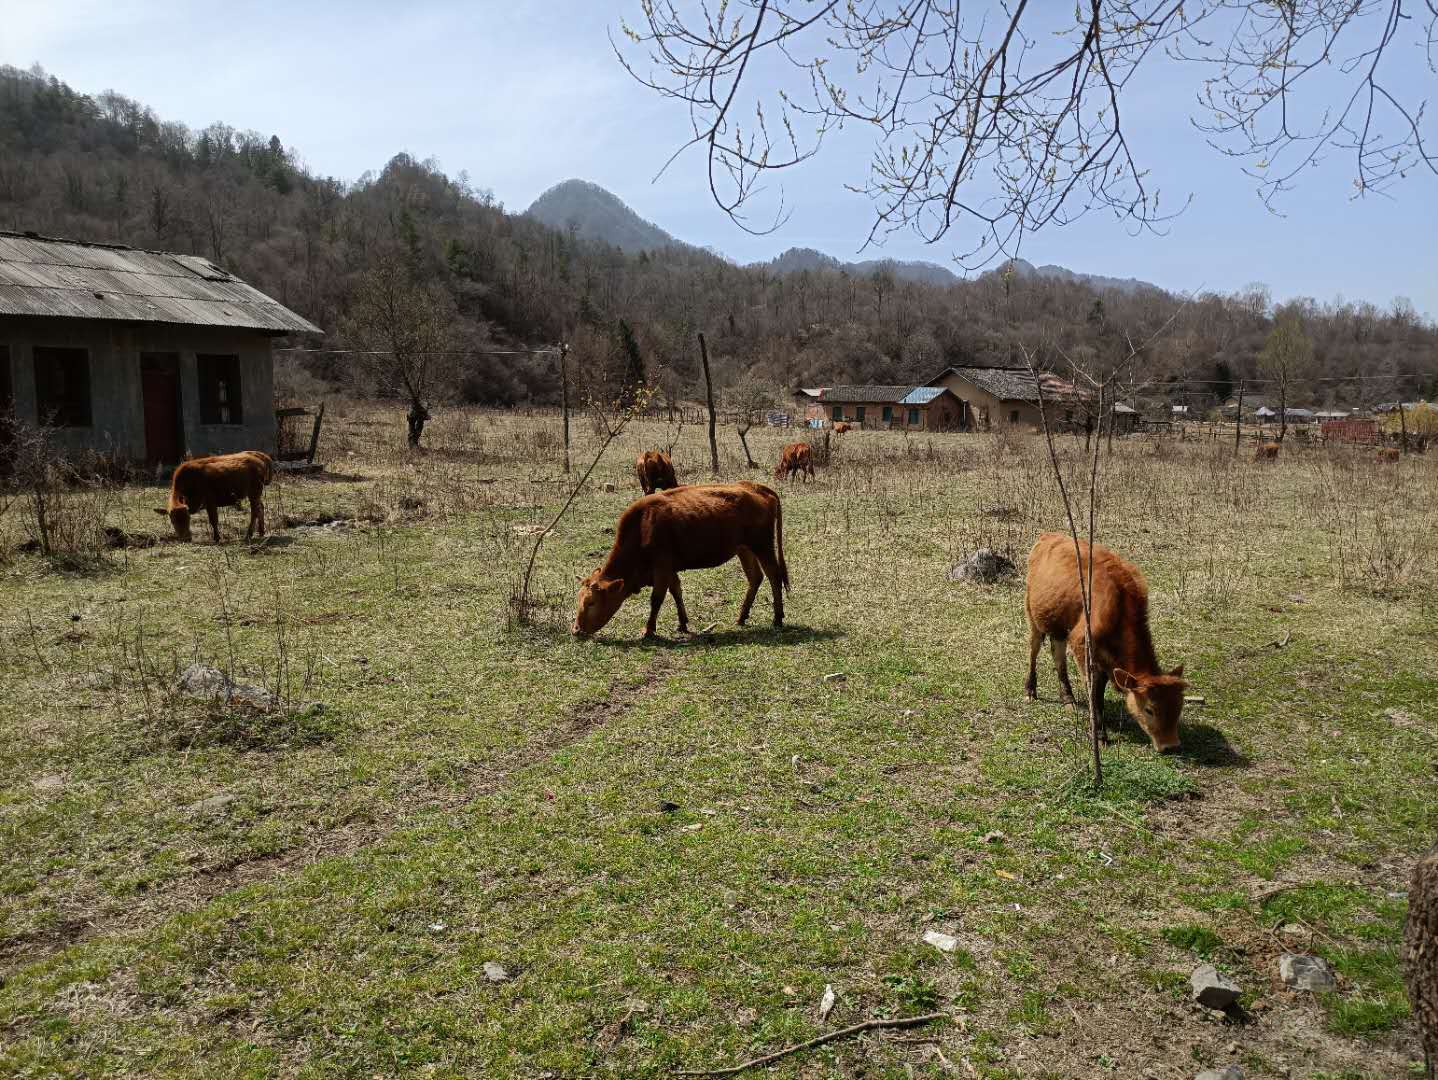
{"points": [[105, 168]]}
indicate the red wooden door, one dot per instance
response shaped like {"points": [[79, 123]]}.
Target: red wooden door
{"points": [[161, 383]]}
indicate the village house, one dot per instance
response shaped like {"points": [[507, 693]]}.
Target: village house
{"points": [[807, 403], [910, 408], [144, 355], [998, 396]]}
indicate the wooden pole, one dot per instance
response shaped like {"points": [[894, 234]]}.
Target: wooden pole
{"points": [[709, 391], [564, 398], [1402, 426], [1238, 427]]}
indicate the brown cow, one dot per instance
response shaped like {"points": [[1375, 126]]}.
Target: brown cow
{"points": [[795, 458], [208, 483], [656, 471], [1267, 451], [842, 427], [1122, 644], [1388, 454], [689, 528]]}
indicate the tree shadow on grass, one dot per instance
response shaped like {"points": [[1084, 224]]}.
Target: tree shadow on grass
{"points": [[729, 636]]}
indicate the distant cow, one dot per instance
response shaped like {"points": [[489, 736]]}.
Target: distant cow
{"points": [[1123, 647], [1388, 454], [656, 471], [795, 458], [689, 528], [842, 427], [208, 483], [1267, 451]]}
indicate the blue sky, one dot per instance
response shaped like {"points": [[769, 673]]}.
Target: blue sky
{"points": [[524, 94]]}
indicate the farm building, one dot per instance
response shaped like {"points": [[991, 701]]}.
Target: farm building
{"points": [[145, 355], [996, 396], [807, 405], [911, 408]]}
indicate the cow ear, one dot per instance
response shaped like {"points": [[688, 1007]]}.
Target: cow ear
{"points": [[1123, 680], [1177, 672]]}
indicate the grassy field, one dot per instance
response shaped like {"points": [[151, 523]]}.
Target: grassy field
{"points": [[673, 847]]}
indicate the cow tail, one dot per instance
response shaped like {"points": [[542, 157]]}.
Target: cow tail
{"points": [[779, 534], [269, 474]]}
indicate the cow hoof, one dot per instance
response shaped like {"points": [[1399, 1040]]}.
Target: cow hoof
{"points": [[1031, 695]]}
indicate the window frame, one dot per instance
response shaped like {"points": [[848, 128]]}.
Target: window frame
{"points": [[859, 413], [838, 413], [213, 408], [1013, 416], [913, 416], [888, 414], [65, 413]]}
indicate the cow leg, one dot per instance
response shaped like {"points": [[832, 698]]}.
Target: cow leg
{"points": [[770, 566], [656, 601], [755, 576], [214, 514], [1100, 684], [679, 603], [1036, 641], [1059, 648]]}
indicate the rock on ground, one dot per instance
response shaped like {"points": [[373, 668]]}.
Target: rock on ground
{"points": [[1211, 989], [1233, 1072], [494, 972], [942, 942], [1306, 972], [984, 566], [197, 680]]}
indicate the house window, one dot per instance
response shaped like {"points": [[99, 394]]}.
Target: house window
{"points": [[838, 412], [859, 413], [1013, 416], [1068, 416], [913, 417], [888, 413], [219, 389], [62, 386]]}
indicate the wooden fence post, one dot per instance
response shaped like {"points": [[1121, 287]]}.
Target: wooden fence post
{"points": [[564, 398], [1238, 425], [709, 390]]}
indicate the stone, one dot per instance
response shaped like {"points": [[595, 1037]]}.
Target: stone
{"points": [[1233, 1072], [826, 1003], [941, 941], [47, 785], [495, 973], [984, 566], [198, 680], [1211, 989], [214, 804], [1301, 972]]}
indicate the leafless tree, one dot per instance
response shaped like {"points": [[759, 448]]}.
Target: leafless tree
{"points": [[1005, 118]]}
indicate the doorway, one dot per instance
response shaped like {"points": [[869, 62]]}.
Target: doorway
{"points": [[160, 380]]}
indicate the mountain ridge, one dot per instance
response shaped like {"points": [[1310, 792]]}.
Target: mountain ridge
{"points": [[598, 214]]}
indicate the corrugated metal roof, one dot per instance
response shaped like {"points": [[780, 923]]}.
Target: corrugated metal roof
{"points": [[67, 279], [881, 395], [922, 395]]}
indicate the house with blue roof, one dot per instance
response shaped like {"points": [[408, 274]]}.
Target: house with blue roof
{"points": [[901, 408]]}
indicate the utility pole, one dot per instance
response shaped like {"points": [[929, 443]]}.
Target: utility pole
{"points": [[1238, 426], [564, 397]]}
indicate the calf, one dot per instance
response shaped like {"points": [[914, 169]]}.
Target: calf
{"points": [[656, 471], [1388, 454], [795, 458], [689, 528], [209, 483], [1267, 451], [1123, 648], [841, 427]]}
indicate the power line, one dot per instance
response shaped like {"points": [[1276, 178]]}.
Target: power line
{"points": [[551, 350]]}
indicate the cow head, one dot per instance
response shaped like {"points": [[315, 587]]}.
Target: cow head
{"points": [[1156, 702], [180, 520], [599, 599]]}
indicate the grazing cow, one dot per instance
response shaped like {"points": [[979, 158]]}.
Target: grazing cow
{"points": [[841, 427], [795, 458], [1123, 647], [1267, 451], [656, 471], [1388, 454], [689, 528], [1420, 954], [208, 483]]}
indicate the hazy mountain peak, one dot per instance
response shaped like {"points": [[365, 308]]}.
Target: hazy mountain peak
{"points": [[598, 214]]}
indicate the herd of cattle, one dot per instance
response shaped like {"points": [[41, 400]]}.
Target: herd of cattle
{"points": [[675, 527]]}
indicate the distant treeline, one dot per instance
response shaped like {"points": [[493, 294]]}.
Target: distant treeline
{"points": [[105, 168]]}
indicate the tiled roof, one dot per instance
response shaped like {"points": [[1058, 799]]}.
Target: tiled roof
{"points": [[1012, 384], [865, 395], [68, 279]]}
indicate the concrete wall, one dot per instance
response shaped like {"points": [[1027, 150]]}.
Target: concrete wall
{"points": [[998, 413], [117, 415]]}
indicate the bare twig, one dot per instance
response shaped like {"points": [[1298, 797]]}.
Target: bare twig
{"points": [[820, 1040]]}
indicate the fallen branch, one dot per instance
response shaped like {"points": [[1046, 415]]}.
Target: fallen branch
{"points": [[769, 1059], [1277, 643]]}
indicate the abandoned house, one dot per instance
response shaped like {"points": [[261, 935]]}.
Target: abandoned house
{"points": [[143, 355], [996, 397]]}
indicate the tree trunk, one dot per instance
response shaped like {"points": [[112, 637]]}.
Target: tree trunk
{"points": [[417, 416], [564, 399], [1238, 427], [709, 391], [744, 442], [1282, 411], [1403, 428]]}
